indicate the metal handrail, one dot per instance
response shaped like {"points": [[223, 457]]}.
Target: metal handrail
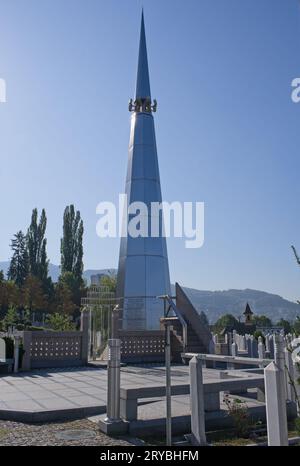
{"points": [[178, 315]]}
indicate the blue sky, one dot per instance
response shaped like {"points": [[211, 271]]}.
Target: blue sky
{"points": [[227, 130]]}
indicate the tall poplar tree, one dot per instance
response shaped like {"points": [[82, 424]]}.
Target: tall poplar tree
{"points": [[71, 244], [36, 243]]}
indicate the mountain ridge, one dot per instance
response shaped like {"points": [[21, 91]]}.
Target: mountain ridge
{"points": [[219, 302]]}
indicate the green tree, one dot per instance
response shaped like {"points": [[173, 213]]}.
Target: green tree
{"points": [[33, 296], [71, 244], [262, 321], [285, 324], [227, 320], [296, 326], [26, 317], [19, 264], [11, 318], [9, 295], [60, 323], [69, 282], [36, 243], [110, 280]]}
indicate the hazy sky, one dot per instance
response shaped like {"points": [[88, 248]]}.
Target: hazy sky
{"points": [[227, 130]]}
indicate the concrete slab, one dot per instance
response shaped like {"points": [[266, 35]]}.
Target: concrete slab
{"points": [[49, 395]]}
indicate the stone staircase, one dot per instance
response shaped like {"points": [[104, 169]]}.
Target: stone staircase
{"points": [[198, 334], [194, 344]]}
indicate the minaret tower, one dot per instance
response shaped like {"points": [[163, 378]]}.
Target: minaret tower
{"points": [[143, 272]]}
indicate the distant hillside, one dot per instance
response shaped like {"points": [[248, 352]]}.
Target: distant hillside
{"points": [[54, 271], [217, 303]]}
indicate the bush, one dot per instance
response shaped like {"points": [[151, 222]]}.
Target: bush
{"points": [[10, 319], [60, 323], [238, 410]]}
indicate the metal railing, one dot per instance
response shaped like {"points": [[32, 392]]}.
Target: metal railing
{"points": [[168, 299]]}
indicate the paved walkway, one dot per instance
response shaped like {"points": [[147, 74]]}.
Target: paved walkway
{"points": [[77, 392]]}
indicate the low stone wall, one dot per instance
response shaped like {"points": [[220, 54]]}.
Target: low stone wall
{"points": [[54, 349], [142, 346]]}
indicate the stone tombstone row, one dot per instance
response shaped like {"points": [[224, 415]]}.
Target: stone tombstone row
{"points": [[2, 350], [248, 346]]}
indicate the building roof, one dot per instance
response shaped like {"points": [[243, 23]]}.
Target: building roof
{"points": [[248, 310]]}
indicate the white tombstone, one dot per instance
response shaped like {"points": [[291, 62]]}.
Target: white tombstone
{"points": [[254, 347], [234, 336], [242, 345], [279, 358], [2, 350], [295, 346], [261, 350], [297, 387], [275, 406], [229, 339], [198, 436], [98, 339], [234, 349], [267, 343], [290, 373], [211, 346]]}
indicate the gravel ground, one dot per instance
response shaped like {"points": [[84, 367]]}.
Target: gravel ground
{"points": [[16, 433]]}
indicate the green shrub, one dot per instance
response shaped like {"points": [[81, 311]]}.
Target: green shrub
{"points": [[239, 412], [60, 323], [10, 319]]}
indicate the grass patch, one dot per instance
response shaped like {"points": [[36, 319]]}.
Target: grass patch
{"points": [[3, 433]]}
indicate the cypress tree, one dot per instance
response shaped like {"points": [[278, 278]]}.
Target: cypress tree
{"points": [[19, 264]]}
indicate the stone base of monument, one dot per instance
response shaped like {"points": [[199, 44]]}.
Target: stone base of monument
{"points": [[118, 427]]}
